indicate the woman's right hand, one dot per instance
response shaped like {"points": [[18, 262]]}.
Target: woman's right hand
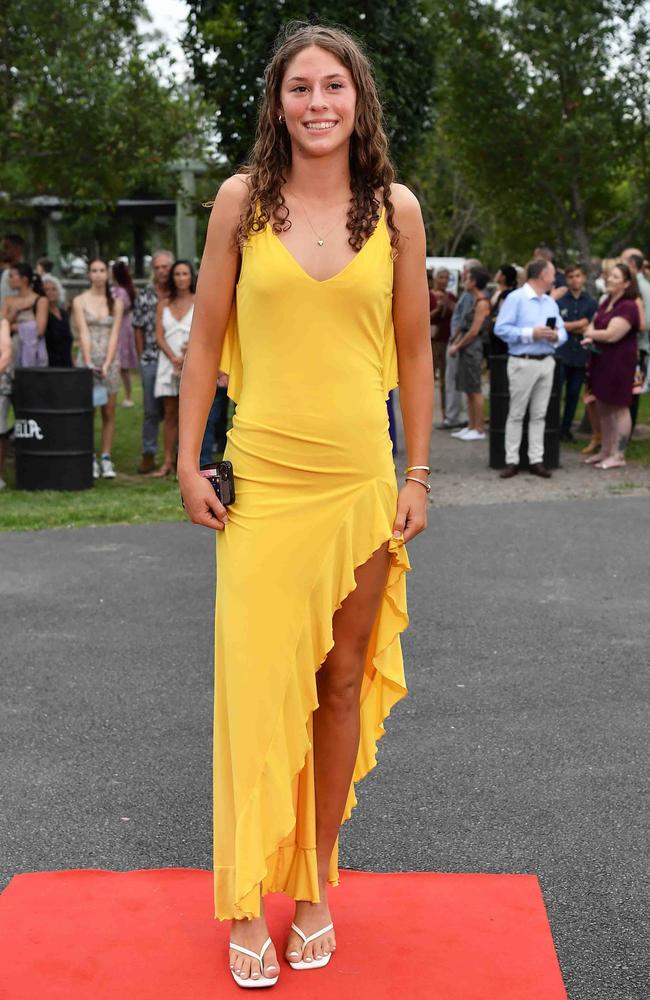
{"points": [[202, 505]]}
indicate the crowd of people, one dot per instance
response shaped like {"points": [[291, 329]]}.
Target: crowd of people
{"points": [[117, 332], [540, 316], [594, 325]]}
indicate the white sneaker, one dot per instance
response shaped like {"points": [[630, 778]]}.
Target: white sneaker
{"points": [[96, 472], [2, 484], [108, 469], [461, 435], [128, 403], [474, 436]]}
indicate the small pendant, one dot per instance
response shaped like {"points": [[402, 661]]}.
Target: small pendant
{"points": [[320, 242]]}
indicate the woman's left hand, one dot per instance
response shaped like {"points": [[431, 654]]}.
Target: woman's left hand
{"points": [[454, 349], [412, 503], [104, 370]]}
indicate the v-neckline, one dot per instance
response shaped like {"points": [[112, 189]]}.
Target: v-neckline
{"points": [[94, 315], [333, 277], [186, 313]]}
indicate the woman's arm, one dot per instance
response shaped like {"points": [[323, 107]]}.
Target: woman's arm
{"points": [[480, 314], [80, 323], [212, 307], [617, 328], [5, 344], [118, 313], [42, 313], [411, 322], [160, 331], [642, 318]]}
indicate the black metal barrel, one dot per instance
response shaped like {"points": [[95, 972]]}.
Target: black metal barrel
{"points": [[499, 403], [54, 428]]}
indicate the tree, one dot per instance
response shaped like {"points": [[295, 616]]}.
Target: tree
{"points": [[84, 113], [535, 111], [229, 43]]}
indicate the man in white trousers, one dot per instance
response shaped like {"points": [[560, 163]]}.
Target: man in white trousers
{"points": [[531, 325]]}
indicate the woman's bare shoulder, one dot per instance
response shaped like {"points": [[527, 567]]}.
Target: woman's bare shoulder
{"points": [[233, 195], [405, 203]]}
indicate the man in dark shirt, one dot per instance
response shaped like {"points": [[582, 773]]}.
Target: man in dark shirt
{"points": [[577, 310]]}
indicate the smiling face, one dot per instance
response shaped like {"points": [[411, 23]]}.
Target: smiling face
{"points": [[616, 282], [317, 101]]}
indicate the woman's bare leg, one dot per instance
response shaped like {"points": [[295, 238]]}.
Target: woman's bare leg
{"points": [[607, 429], [476, 409], [108, 424], [252, 934], [126, 382], [336, 737], [594, 420], [170, 436], [620, 430]]}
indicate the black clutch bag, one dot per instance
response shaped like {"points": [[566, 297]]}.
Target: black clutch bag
{"points": [[221, 476]]}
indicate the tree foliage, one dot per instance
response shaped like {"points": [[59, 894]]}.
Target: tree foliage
{"points": [[83, 111], [229, 43], [537, 103]]}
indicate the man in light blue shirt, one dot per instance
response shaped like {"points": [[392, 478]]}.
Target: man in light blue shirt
{"points": [[531, 325]]}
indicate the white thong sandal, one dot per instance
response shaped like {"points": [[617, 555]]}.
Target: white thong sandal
{"points": [[316, 963], [262, 980]]}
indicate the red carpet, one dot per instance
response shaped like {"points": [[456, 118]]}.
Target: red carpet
{"points": [[149, 935]]}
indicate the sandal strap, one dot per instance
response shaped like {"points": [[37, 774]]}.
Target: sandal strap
{"points": [[253, 954], [311, 937]]}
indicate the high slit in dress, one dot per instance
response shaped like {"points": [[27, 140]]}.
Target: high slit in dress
{"points": [[310, 364]]}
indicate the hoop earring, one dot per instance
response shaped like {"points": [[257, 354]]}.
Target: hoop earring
{"points": [[280, 119]]}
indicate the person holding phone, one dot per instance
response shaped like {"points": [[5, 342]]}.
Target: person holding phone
{"points": [[611, 336], [531, 325]]}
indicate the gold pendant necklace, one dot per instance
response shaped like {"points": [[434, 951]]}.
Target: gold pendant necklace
{"points": [[320, 240]]}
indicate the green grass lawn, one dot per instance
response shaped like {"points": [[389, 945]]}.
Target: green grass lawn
{"points": [[638, 450], [128, 499]]}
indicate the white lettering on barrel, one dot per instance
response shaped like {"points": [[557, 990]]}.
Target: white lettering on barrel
{"points": [[28, 429]]}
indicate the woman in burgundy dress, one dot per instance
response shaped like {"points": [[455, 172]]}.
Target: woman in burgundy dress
{"points": [[613, 333]]}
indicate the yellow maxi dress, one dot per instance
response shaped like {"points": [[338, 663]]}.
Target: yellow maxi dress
{"points": [[310, 364]]}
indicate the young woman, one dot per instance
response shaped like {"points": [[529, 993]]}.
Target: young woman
{"points": [[324, 258], [611, 372], [173, 322], [442, 304], [26, 311], [124, 290], [98, 318], [469, 347]]}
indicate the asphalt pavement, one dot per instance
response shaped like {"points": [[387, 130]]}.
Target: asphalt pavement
{"points": [[523, 746]]}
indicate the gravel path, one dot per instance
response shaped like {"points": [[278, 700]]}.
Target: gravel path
{"points": [[460, 475]]}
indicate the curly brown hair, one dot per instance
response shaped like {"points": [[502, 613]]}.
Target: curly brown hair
{"points": [[370, 165]]}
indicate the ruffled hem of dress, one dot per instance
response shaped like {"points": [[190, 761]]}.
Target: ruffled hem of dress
{"points": [[268, 816]]}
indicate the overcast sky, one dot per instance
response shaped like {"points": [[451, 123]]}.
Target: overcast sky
{"points": [[168, 17]]}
